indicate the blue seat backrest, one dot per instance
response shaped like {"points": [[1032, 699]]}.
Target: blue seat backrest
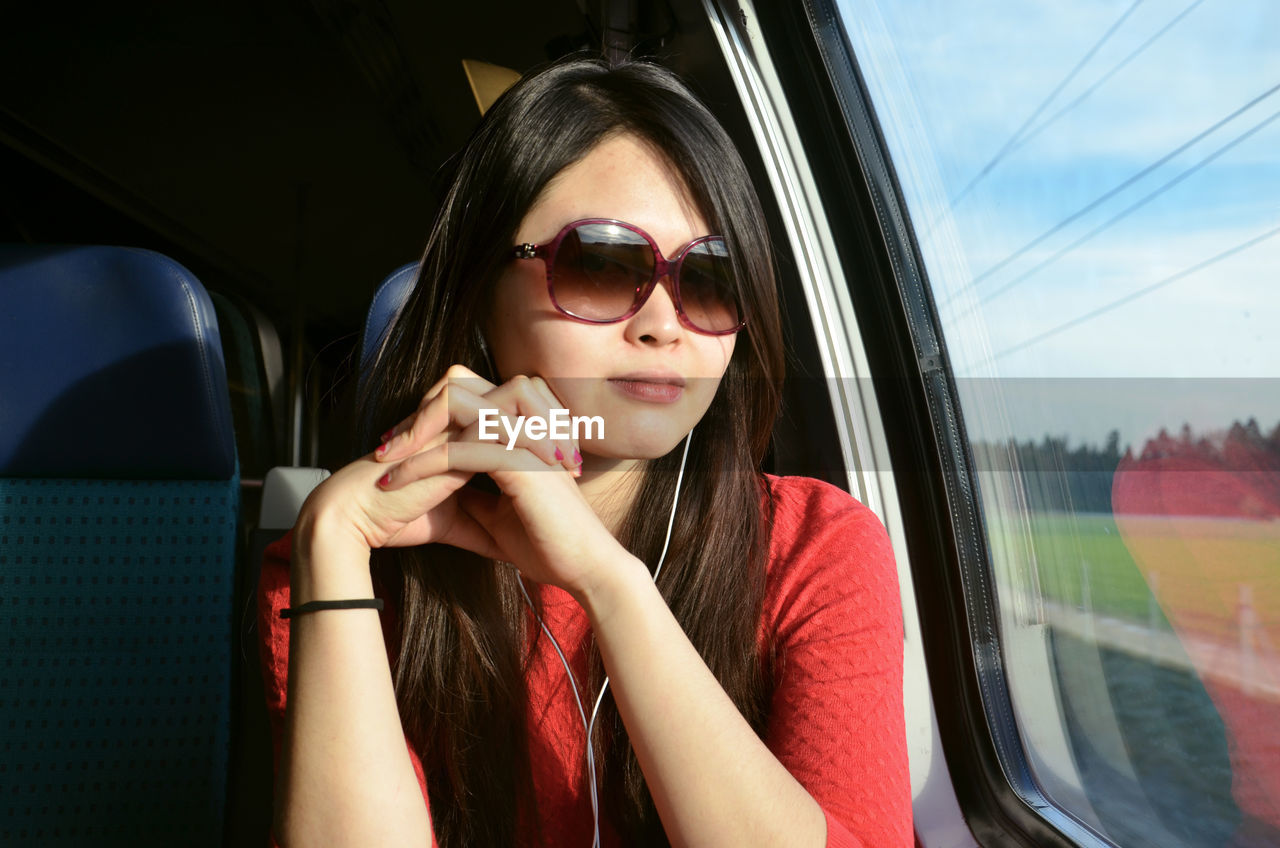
{"points": [[387, 302], [118, 511]]}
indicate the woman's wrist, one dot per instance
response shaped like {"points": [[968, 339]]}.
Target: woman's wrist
{"points": [[329, 561], [616, 581]]}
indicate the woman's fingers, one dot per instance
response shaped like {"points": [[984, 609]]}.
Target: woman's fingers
{"points": [[535, 420], [540, 522], [454, 408], [513, 415], [459, 375], [463, 458], [394, 441], [416, 505], [569, 445], [466, 532], [521, 413]]}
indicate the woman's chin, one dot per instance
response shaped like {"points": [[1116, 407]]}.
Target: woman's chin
{"points": [[650, 445]]}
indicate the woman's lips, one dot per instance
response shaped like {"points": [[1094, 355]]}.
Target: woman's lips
{"points": [[650, 389]]}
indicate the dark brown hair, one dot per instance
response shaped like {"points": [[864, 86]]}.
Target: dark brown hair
{"points": [[459, 672]]}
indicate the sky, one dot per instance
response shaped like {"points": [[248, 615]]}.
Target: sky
{"points": [[1096, 190]]}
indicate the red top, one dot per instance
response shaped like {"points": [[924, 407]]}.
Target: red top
{"points": [[832, 614]]}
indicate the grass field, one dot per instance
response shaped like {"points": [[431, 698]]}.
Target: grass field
{"points": [[1196, 567], [1071, 550]]}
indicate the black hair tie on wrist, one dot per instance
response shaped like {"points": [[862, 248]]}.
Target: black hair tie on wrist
{"points": [[318, 606]]}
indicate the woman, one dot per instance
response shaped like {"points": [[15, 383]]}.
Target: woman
{"points": [[600, 251]]}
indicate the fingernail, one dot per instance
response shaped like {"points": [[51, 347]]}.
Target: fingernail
{"points": [[384, 480], [559, 455], [382, 448], [386, 437], [577, 457], [577, 472]]}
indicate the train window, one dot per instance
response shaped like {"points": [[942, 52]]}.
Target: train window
{"points": [[1092, 191]]}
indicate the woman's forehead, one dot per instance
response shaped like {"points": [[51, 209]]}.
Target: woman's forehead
{"points": [[622, 177]]}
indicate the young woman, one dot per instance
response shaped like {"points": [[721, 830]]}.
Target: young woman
{"points": [[600, 251]]}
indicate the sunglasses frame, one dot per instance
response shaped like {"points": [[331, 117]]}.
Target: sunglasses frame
{"points": [[662, 267]]}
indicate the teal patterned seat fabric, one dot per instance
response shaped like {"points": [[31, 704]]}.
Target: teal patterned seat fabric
{"points": [[117, 552]]}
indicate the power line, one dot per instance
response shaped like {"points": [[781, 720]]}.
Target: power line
{"points": [[1103, 79], [1111, 193], [1089, 316], [1110, 222], [1023, 277], [1044, 104]]}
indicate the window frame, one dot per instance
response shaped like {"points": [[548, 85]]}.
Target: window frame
{"points": [[917, 407]]}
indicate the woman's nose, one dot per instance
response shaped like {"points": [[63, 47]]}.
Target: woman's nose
{"points": [[657, 322]]}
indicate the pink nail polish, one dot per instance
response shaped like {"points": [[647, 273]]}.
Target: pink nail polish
{"points": [[577, 457], [382, 448], [384, 480], [559, 455]]}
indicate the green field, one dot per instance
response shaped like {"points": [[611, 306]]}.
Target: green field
{"points": [[1197, 566], [1072, 549]]}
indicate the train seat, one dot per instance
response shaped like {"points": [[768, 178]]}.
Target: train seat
{"points": [[385, 306], [286, 488], [257, 386], [118, 509], [255, 379]]}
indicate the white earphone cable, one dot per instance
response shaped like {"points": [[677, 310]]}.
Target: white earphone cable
{"points": [[662, 558], [589, 726]]}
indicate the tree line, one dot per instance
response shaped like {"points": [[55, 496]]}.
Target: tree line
{"points": [[1057, 476]]}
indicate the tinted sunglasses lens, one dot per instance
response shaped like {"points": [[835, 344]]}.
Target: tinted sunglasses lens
{"points": [[707, 290], [599, 269]]}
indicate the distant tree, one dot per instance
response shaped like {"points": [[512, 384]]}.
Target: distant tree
{"points": [[1057, 477], [1054, 475]]}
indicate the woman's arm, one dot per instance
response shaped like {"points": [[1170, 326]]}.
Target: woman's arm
{"points": [[835, 733], [713, 781], [344, 775]]}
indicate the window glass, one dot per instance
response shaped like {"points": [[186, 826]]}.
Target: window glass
{"points": [[1095, 188]]}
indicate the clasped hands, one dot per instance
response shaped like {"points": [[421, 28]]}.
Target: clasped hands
{"points": [[412, 489]]}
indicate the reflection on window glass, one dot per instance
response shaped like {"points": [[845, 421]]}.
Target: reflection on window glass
{"points": [[1094, 187]]}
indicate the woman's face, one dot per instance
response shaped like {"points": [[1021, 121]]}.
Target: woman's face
{"points": [[648, 377]]}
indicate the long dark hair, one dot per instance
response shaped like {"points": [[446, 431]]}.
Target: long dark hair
{"points": [[462, 645]]}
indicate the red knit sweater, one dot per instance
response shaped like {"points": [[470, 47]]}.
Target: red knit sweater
{"points": [[832, 615]]}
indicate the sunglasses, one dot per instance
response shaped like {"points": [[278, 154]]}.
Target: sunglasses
{"points": [[602, 271]]}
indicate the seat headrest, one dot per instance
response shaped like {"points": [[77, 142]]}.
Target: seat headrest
{"points": [[110, 366], [387, 302]]}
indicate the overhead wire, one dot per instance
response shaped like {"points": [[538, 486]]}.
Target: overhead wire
{"points": [[1112, 221], [1044, 104], [1102, 80], [1129, 298], [1107, 195]]}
